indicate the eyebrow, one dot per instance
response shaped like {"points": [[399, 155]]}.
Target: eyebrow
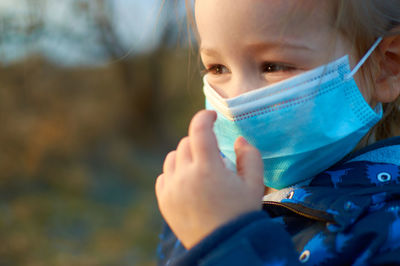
{"points": [[263, 45], [257, 46]]}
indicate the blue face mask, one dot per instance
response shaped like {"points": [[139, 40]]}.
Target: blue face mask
{"points": [[301, 126]]}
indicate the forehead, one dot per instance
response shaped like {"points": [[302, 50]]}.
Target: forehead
{"points": [[227, 20]]}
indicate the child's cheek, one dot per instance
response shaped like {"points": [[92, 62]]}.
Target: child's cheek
{"points": [[366, 87]]}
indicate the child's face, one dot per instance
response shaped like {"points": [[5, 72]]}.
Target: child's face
{"points": [[247, 44]]}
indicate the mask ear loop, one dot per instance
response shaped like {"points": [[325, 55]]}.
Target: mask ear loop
{"points": [[365, 57], [378, 107]]}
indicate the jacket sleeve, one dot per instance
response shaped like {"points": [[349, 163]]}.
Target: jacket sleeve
{"points": [[251, 239]]}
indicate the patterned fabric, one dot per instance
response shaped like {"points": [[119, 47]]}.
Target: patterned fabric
{"points": [[347, 215]]}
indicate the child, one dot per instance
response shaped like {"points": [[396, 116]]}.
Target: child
{"points": [[294, 89]]}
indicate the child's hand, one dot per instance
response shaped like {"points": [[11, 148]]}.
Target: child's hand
{"points": [[196, 193]]}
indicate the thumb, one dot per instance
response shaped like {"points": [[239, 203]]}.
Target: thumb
{"points": [[248, 162]]}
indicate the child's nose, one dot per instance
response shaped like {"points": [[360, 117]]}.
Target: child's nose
{"points": [[245, 84]]}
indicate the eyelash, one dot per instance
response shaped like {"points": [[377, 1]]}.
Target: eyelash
{"points": [[267, 67], [279, 67], [211, 69]]}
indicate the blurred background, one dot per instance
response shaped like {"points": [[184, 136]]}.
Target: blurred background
{"points": [[93, 95]]}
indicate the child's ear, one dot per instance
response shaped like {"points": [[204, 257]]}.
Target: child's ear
{"points": [[388, 81]]}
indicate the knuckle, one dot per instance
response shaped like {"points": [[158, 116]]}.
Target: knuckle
{"points": [[169, 159], [158, 184], [170, 155], [183, 142], [203, 169]]}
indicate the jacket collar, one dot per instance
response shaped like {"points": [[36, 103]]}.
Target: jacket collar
{"points": [[341, 194]]}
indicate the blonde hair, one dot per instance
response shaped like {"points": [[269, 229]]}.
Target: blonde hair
{"points": [[361, 22]]}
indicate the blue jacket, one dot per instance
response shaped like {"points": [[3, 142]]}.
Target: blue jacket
{"points": [[348, 215]]}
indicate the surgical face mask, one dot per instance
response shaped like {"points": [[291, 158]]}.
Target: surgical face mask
{"points": [[301, 126]]}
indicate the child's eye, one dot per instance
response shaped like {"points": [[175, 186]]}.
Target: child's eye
{"points": [[276, 67], [216, 70]]}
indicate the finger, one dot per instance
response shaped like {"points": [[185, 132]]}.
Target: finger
{"points": [[169, 163], [203, 142], [249, 163], [184, 154], [159, 185]]}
